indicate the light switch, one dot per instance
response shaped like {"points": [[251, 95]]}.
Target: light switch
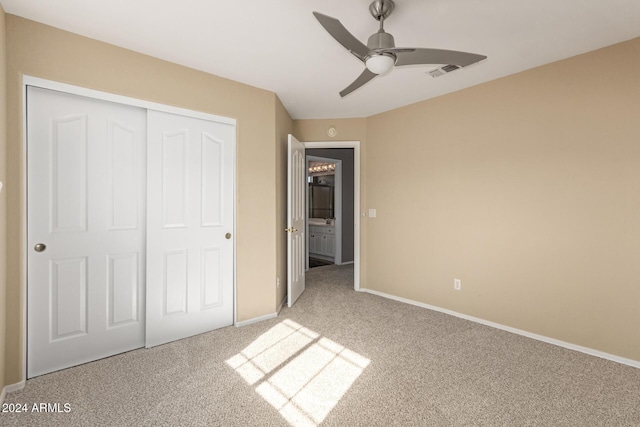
{"points": [[0, 186], [372, 213]]}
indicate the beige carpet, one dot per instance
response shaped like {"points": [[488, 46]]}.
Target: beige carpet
{"points": [[341, 358]]}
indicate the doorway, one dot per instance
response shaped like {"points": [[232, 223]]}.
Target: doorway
{"points": [[324, 211], [349, 153]]}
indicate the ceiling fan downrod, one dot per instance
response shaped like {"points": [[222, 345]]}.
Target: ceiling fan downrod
{"points": [[380, 10]]}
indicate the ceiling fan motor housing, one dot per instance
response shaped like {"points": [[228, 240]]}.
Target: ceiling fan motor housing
{"points": [[381, 40]]}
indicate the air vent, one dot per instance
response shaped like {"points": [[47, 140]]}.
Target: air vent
{"points": [[443, 70]]}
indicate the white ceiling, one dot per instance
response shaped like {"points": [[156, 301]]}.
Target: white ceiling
{"points": [[279, 46]]}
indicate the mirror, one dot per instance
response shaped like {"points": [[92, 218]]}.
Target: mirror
{"points": [[321, 196]]}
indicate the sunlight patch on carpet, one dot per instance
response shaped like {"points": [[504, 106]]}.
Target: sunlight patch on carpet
{"points": [[300, 373]]}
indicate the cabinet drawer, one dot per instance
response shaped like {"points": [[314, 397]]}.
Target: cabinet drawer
{"points": [[322, 229]]}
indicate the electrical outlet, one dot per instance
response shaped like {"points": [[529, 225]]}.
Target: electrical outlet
{"points": [[457, 284], [277, 282]]}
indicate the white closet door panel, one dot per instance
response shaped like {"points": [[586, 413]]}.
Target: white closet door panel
{"points": [[212, 282], [86, 177], [190, 210], [174, 281], [124, 288], [68, 169], [212, 181], [175, 180], [68, 301], [123, 171]]}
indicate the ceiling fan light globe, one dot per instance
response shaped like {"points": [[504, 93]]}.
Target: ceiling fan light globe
{"points": [[380, 64]]}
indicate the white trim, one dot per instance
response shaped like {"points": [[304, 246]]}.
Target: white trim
{"points": [[15, 387], [10, 389], [356, 197], [120, 99], [337, 251], [105, 96], [256, 319], [559, 343], [25, 227]]}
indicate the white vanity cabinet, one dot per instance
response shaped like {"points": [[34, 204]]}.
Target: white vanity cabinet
{"points": [[322, 240]]}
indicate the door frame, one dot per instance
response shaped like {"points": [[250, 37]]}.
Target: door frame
{"points": [[337, 207], [120, 99], [355, 145]]}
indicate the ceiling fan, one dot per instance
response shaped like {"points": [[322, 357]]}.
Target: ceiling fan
{"points": [[380, 54]]}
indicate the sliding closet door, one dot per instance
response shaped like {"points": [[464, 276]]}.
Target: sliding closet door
{"points": [[190, 247], [86, 229]]}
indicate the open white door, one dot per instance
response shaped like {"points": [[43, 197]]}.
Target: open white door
{"points": [[296, 215], [190, 248]]}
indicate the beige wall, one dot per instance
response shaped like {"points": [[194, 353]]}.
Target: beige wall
{"points": [[38, 50], [3, 197], [527, 189], [284, 126]]}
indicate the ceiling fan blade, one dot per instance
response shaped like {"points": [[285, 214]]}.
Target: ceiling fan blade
{"points": [[410, 56], [342, 35], [362, 79]]}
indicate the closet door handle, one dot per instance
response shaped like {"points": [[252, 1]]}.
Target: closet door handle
{"points": [[227, 236], [40, 247]]}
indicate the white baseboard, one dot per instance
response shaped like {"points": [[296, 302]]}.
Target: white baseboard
{"points": [[346, 263], [15, 387], [9, 388], [256, 319], [570, 346]]}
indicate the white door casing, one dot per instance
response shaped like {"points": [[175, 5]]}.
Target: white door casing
{"points": [[190, 220], [296, 218], [355, 145], [86, 203]]}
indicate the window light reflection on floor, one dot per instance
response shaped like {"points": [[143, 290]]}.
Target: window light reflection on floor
{"points": [[300, 373]]}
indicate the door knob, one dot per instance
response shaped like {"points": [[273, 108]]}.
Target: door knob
{"points": [[40, 247], [227, 236]]}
